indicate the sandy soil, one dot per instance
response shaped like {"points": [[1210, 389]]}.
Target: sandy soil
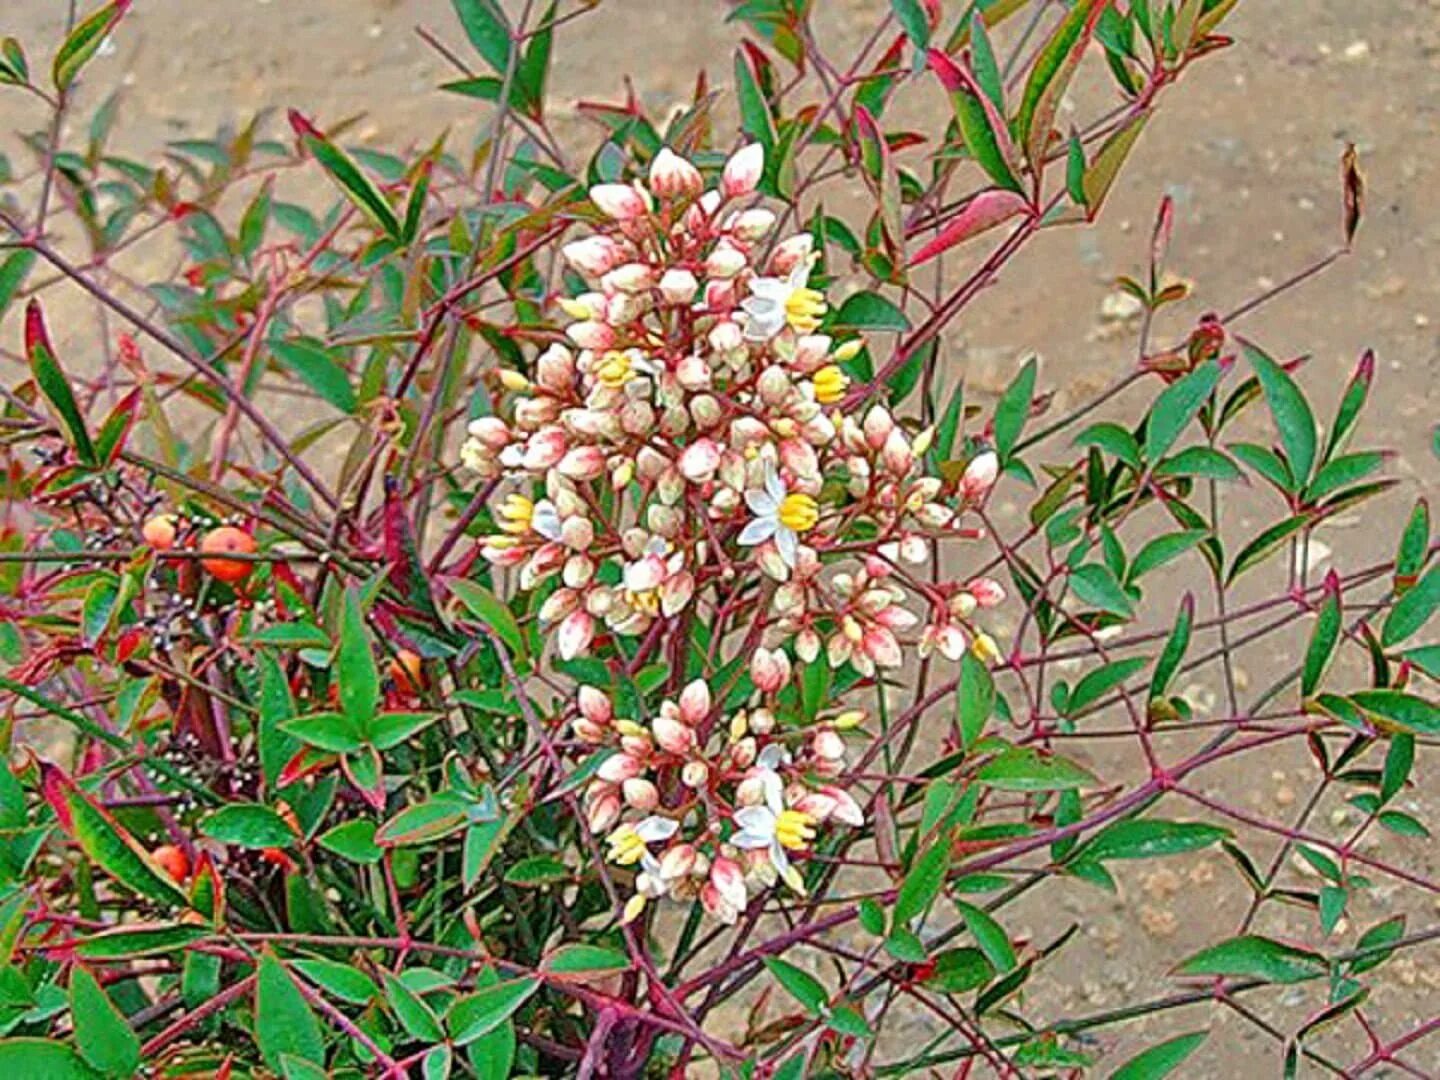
{"points": [[1247, 146]]}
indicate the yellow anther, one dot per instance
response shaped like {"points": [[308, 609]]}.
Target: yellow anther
{"points": [[799, 512], [830, 384]]}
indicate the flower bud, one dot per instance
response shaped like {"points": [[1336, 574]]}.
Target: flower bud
{"points": [[828, 745], [700, 460], [695, 701], [633, 277], [678, 286], [695, 774], [677, 861], [640, 794], [877, 427], [752, 225], [602, 813], [618, 768], [556, 368], [987, 592], [670, 735], [591, 334], [672, 177], [582, 463], [623, 202], [490, 431], [743, 170], [725, 261], [979, 476], [595, 706], [593, 255], [726, 336], [762, 721], [790, 253], [769, 670]]}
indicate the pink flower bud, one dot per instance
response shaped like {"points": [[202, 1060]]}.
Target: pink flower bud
{"points": [[544, 449], [676, 593], [878, 425], [742, 171], [640, 794], [677, 861], [671, 735], [700, 460], [695, 774], [729, 881], [671, 176], [695, 702], [618, 768], [847, 811], [591, 334], [490, 431], [678, 286], [620, 201], [602, 813], [632, 277], [693, 373], [582, 463], [593, 255], [595, 706], [979, 476], [880, 645], [575, 634], [826, 744], [726, 336], [769, 670], [896, 455], [725, 261], [790, 253], [987, 592], [555, 370], [752, 225]]}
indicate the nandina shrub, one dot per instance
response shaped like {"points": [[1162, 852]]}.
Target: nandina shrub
{"points": [[549, 614]]}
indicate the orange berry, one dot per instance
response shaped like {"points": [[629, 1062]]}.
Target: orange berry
{"points": [[160, 531], [407, 672], [173, 861], [227, 540]]}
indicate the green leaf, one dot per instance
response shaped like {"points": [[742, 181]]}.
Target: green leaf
{"points": [[106, 842], [975, 698], [1376, 944], [869, 311], [1291, 411], [490, 610], [1095, 584], [42, 1059], [1162, 549], [537, 870], [1075, 169], [361, 191], [132, 942], [1413, 610], [801, 985], [1050, 75], [425, 822], [1399, 759], [1200, 461], [755, 116], [581, 960], [1100, 176], [1025, 769], [390, 729], [83, 41], [1265, 545], [358, 675], [319, 370], [957, 971], [847, 1021], [1096, 684], [1176, 407], [13, 272], [910, 14], [338, 980], [1323, 640], [1407, 712], [330, 731], [102, 1033], [1114, 440], [989, 935], [1414, 546], [1344, 471], [922, 883], [1013, 409], [414, 1015], [1251, 956], [487, 28], [353, 840], [485, 1010], [1137, 838], [53, 382], [1161, 1059], [248, 825], [284, 1024]]}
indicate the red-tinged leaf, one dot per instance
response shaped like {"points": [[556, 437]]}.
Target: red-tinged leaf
{"points": [[1100, 176], [104, 841], [982, 125], [110, 440], [1050, 76], [83, 41], [352, 181], [406, 572], [53, 383], [884, 180], [986, 210]]}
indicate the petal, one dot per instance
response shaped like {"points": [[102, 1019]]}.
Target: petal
{"points": [[657, 828], [756, 820], [762, 503], [774, 792], [774, 486], [758, 531], [788, 545]]}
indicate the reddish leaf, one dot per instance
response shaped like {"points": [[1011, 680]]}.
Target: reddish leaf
{"points": [[986, 210]]}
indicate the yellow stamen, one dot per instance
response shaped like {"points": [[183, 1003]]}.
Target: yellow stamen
{"points": [[614, 371], [830, 384], [574, 308], [516, 513], [647, 601], [803, 309], [626, 847], [799, 512], [848, 350], [794, 829], [985, 649]]}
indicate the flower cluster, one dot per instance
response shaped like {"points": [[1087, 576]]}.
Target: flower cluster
{"points": [[694, 450], [694, 426], [713, 811]]}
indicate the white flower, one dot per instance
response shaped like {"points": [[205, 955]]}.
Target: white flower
{"points": [[771, 826], [774, 303], [779, 515]]}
